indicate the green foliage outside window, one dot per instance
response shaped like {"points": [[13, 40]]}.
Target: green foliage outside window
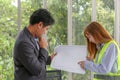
{"points": [[57, 34]]}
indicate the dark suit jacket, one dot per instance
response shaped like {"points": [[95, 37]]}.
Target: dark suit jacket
{"points": [[29, 61]]}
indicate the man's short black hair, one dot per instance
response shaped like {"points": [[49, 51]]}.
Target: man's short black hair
{"points": [[41, 15]]}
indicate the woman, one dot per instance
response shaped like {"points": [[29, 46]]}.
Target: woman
{"points": [[104, 55]]}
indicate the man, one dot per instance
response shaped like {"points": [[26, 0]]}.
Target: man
{"points": [[30, 54]]}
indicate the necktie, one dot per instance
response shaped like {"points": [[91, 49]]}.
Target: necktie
{"points": [[37, 45]]}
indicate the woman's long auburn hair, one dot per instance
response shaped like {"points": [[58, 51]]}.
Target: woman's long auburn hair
{"points": [[99, 34]]}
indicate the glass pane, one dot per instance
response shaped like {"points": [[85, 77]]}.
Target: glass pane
{"points": [[106, 14], [81, 17], [8, 32], [27, 8], [57, 34]]}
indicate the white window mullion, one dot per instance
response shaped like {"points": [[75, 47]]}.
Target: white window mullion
{"points": [[117, 21], [69, 39], [94, 18], [19, 15], [45, 4]]}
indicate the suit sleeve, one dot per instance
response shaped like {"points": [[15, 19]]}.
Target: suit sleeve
{"points": [[29, 60], [49, 61], [44, 55]]}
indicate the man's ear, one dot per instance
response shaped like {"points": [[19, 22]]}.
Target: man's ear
{"points": [[40, 25]]}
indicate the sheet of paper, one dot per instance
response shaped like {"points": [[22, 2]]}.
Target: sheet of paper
{"points": [[67, 58]]}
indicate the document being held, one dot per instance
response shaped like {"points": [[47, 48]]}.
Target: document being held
{"points": [[67, 58]]}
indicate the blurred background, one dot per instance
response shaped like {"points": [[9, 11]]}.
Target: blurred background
{"points": [[71, 17]]}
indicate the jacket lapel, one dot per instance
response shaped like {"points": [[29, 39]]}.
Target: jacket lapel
{"points": [[32, 40]]}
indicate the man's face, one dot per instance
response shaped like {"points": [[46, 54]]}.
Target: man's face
{"points": [[41, 29]]}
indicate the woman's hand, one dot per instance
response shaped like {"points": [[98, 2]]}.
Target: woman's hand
{"points": [[81, 63], [89, 58]]}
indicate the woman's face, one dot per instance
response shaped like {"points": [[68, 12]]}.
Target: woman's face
{"points": [[91, 38]]}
